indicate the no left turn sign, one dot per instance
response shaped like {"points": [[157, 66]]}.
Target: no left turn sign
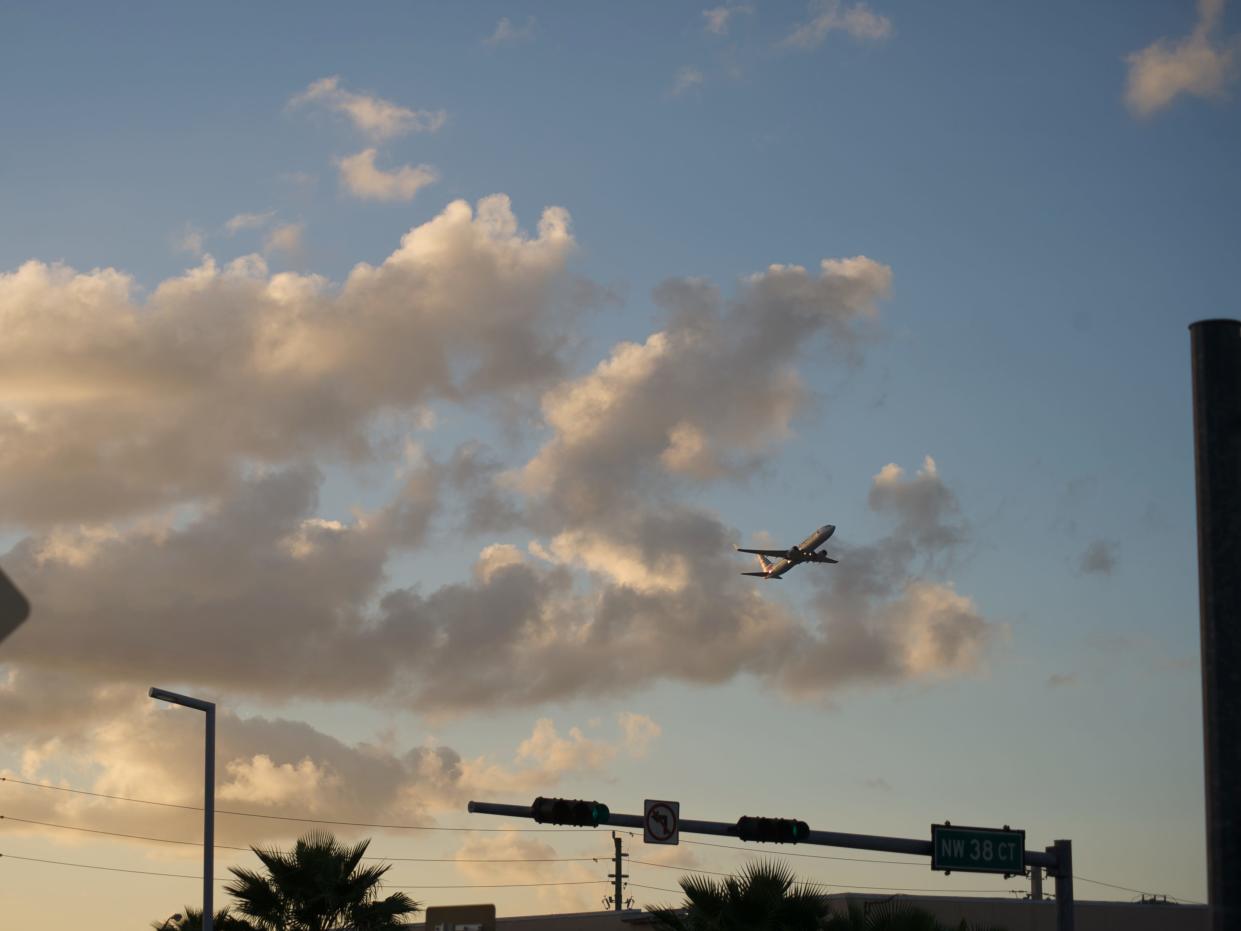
{"points": [[661, 822]]}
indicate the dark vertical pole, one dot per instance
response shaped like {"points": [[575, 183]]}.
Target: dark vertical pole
{"points": [[617, 900], [1215, 346], [209, 821], [1062, 850], [1036, 884]]}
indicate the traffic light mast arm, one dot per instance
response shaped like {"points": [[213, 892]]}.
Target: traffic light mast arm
{"points": [[906, 845]]}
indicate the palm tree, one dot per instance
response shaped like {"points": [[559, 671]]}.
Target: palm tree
{"points": [[317, 885], [191, 919], [763, 897]]}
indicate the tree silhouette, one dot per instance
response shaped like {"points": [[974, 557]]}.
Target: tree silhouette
{"points": [[318, 885], [764, 896]]}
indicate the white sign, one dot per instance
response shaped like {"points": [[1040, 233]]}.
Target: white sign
{"points": [[661, 822]]}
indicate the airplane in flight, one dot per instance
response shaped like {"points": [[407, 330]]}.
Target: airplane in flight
{"points": [[806, 551]]}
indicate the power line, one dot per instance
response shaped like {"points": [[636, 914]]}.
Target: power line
{"points": [[812, 883], [656, 888], [166, 840], [110, 869], [419, 827], [811, 856], [252, 814], [1099, 882], [157, 840], [117, 869]]}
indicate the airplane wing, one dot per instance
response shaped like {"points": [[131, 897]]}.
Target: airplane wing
{"points": [[763, 575], [783, 552]]}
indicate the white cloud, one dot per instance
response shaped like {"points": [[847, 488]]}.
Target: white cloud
{"points": [[857, 21], [718, 19], [286, 238], [640, 732], [115, 407], [375, 117], [248, 221], [686, 79], [190, 240], [508, 34], [1199, 64], [549, 751], [705, 397], [362, 179]]}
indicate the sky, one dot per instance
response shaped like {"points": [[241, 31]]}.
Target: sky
{"points": [[401, 376]]}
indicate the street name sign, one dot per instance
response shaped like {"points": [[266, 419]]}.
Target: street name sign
{"points": [[661, 822], [14, 608], [461, 918], [977, 850]]}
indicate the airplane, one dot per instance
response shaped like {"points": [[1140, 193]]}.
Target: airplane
{"points": [[807, 551]]}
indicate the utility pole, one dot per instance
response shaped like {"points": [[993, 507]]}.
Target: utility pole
{"points": [[1036, 883], [618, 902], [1215, 351]]}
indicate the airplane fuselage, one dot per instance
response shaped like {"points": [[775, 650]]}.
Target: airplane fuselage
{"points": [[806, 551]]}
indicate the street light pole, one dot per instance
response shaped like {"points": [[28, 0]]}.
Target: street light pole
{"points": [[207, 708]]}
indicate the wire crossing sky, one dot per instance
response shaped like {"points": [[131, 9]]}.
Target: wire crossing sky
{"points": [[401, 380]]}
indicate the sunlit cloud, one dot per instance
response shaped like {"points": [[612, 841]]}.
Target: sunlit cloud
{"points": [[361, 178], [248, 221], [1202, 64], [858, 21], [286, 238], [375, 117], [717, 20]]}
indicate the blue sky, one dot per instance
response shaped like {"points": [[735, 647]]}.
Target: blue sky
{"points": [[785, 246]]}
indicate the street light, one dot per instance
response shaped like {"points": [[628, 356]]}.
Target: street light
{"points": [[208, 791]]}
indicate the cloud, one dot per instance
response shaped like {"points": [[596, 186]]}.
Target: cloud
{"points": [[248, 221], [163, 534], [190, 240], [686, 79], [640, 732], [115, 407], [1061, 680], [705, 397], [717, 19], [826, 16], [927, 508], [374, 117], [531, 861], [261, 576], [1199, 64], [132, 746], [1099, 558], [363, 180], [508, 34], [286, 238]]}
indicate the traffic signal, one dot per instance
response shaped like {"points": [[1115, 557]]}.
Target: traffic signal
{"points": [[569, 811], [772, 830]]}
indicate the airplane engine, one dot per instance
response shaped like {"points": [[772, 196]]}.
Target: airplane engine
{"points": [[792, 554]]}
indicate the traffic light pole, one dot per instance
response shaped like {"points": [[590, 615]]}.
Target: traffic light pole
{"points": [[1058, 859]]}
